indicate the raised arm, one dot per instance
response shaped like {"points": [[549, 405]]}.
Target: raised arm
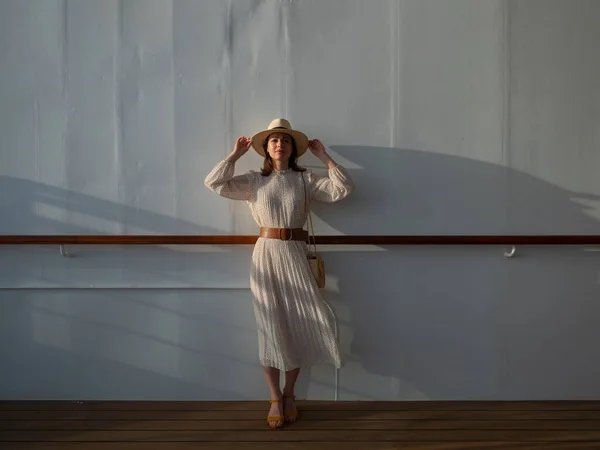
{"points": [[334, 187], [221, 178]]}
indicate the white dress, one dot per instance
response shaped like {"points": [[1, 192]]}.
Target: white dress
{"points": [[295, 326]]}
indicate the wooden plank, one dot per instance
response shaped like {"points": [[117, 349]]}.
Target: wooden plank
{"points": [[320, 405], [303, 424], [306, 414], [306, 436], [507, 445]]}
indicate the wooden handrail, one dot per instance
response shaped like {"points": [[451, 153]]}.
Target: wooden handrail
{"points": [[322, 240]]}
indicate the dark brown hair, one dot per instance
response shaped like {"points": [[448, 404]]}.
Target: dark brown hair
{"points": [[268, 168]]}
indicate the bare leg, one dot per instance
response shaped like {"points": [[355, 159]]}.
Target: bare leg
{"points": [[291, 414], [272, 375]]}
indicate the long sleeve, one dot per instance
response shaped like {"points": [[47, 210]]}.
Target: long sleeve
{"points": [[334, 187], [222, 181]]}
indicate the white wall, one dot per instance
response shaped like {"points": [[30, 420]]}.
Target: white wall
{"points": [[453, 116]]}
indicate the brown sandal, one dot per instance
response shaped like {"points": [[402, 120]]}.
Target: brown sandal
{"points": [[291, 415], [275, 418]]}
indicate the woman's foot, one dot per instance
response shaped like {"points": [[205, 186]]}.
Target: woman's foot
{"points": [[275, 417], [289, 408]]}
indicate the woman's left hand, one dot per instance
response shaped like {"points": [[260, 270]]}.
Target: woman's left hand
{"points": [[317, 148]]}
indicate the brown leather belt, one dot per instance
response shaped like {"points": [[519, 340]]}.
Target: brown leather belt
{"points": [[285, 234]]}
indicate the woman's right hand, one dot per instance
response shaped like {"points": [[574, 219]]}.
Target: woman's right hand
{"points": [[242, 145]]}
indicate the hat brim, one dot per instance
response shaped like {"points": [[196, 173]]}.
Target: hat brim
{"points": [[300, 138]]}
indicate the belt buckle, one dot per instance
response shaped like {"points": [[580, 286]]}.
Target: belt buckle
{"points": [[281, 237]]}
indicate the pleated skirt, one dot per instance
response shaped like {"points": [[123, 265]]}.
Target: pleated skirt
{"points": [[296, 327]]}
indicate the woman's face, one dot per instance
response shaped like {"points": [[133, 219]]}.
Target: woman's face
{"points": [[280, 147]]}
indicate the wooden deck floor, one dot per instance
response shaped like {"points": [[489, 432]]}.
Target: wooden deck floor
{"points": [[323, 426]]}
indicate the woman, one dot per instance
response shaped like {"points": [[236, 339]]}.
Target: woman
{"points": [[295, 325]]}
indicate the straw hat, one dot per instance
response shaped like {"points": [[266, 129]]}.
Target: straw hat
{"points": [[280, 126]]}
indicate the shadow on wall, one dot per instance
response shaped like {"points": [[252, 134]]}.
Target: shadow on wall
{"points": [[419, 193], [464, 322], [444, 323], [25, 206], [115, 344]]}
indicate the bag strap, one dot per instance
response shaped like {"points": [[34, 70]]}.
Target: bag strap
{"points": [[307, 210]]}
